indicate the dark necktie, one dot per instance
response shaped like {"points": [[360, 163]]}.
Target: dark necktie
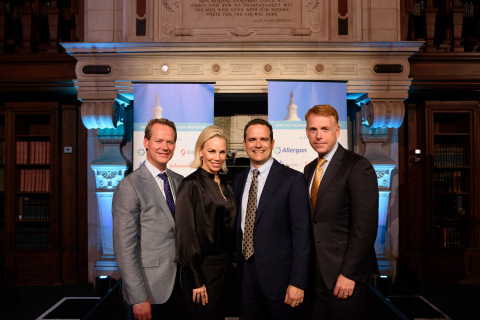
{"points": [[250, 216], [168, 193]]}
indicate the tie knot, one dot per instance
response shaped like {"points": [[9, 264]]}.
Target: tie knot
{"points": [[256, 172], [163, 176], [321, 162]]}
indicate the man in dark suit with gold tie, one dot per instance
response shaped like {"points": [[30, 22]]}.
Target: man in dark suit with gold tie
{"points": [[344, 194], [273, 230]]}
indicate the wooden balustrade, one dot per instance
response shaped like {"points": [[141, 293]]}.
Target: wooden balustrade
{"points": [[37, 26], [444, 25]]}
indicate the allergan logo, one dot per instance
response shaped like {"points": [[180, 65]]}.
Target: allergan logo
{"points": [[279, 150]]}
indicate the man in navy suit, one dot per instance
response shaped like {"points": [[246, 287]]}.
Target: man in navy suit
{"points": [[273, 230], [344, 220]]}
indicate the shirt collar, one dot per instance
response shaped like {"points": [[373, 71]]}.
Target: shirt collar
{"points": [[329, 155], [264, 167], [153, 170]]}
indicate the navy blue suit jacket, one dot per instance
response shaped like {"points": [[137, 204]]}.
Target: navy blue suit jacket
{"points": [[282, 230]]}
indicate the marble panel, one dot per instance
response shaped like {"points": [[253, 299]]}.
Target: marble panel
{"points": [[241, 19]]}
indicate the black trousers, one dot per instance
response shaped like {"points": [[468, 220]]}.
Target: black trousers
{"points": [[327, 306]]}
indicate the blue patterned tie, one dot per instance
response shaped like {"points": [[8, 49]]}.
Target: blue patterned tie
{"points": [[168, 193], [248, 249]]}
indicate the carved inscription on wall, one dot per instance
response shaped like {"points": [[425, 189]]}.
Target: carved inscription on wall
{"points": [[244, 12], [212, 20]]}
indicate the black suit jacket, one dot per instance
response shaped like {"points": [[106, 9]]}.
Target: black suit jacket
{"points": [[282, 230], [346, 218]]}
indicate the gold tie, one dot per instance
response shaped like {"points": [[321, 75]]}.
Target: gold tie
{"points": [[316, 181], [250, 216]]}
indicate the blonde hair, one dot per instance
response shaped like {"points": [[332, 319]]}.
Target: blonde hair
{"points": [[207, 134]]}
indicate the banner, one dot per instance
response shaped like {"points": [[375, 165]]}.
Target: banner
{"points": [[288, 101], [189, 106]]}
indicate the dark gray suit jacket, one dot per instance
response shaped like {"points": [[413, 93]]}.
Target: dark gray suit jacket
{"points": [[144, 238], [346, 218]]}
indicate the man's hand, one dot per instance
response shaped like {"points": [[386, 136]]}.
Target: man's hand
{"points": [[344, 287], [294, 296], [142, 311]]}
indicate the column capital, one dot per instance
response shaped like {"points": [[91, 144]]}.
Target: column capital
{"points": [[103, 114], [383, 113]]}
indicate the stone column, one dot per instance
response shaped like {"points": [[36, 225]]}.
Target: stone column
{"points": [[378, 118], [109, 169]]}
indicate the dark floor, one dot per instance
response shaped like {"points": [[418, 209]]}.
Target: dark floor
{"points": [[458, 302], [33, 301]]}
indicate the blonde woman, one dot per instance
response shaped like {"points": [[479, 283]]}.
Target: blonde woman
{"points": [[204, 228]]}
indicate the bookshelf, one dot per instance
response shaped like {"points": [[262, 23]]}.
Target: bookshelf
{"points": [[2, 187], [31, 200], [452, 143], [452, 217]]}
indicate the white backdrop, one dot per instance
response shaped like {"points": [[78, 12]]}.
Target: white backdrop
{"points": [[288, 101], [189, 106]]}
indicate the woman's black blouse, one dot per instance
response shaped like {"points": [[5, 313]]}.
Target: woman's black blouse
{"points": [[204, 221]]}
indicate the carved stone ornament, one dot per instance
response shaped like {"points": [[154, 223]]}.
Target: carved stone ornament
{"points": [[98, 114], [108, 177], [383, 114], [384, 173]]}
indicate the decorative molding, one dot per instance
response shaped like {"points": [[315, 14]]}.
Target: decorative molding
{"points": [[383, 114], [108, 177], [241, 32], [384, 172], [94, 69], [301, 32], [181, 32], [98, 114]]}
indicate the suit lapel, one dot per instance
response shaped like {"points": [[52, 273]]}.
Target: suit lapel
{"points": [[175, 181], [273, 179], [309, 170], [152, 185], [329, 175]]}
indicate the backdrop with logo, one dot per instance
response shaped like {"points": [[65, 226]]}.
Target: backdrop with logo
{"points": [[288, 101], [188, 105]]}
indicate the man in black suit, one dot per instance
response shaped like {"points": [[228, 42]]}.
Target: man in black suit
{"points": [[344, 193], [273, 230]]}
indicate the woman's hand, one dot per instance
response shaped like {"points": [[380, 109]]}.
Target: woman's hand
{"points": [[200, 295]]}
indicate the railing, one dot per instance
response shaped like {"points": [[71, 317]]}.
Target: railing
{"points": [[34, 26], [444, 25]]}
